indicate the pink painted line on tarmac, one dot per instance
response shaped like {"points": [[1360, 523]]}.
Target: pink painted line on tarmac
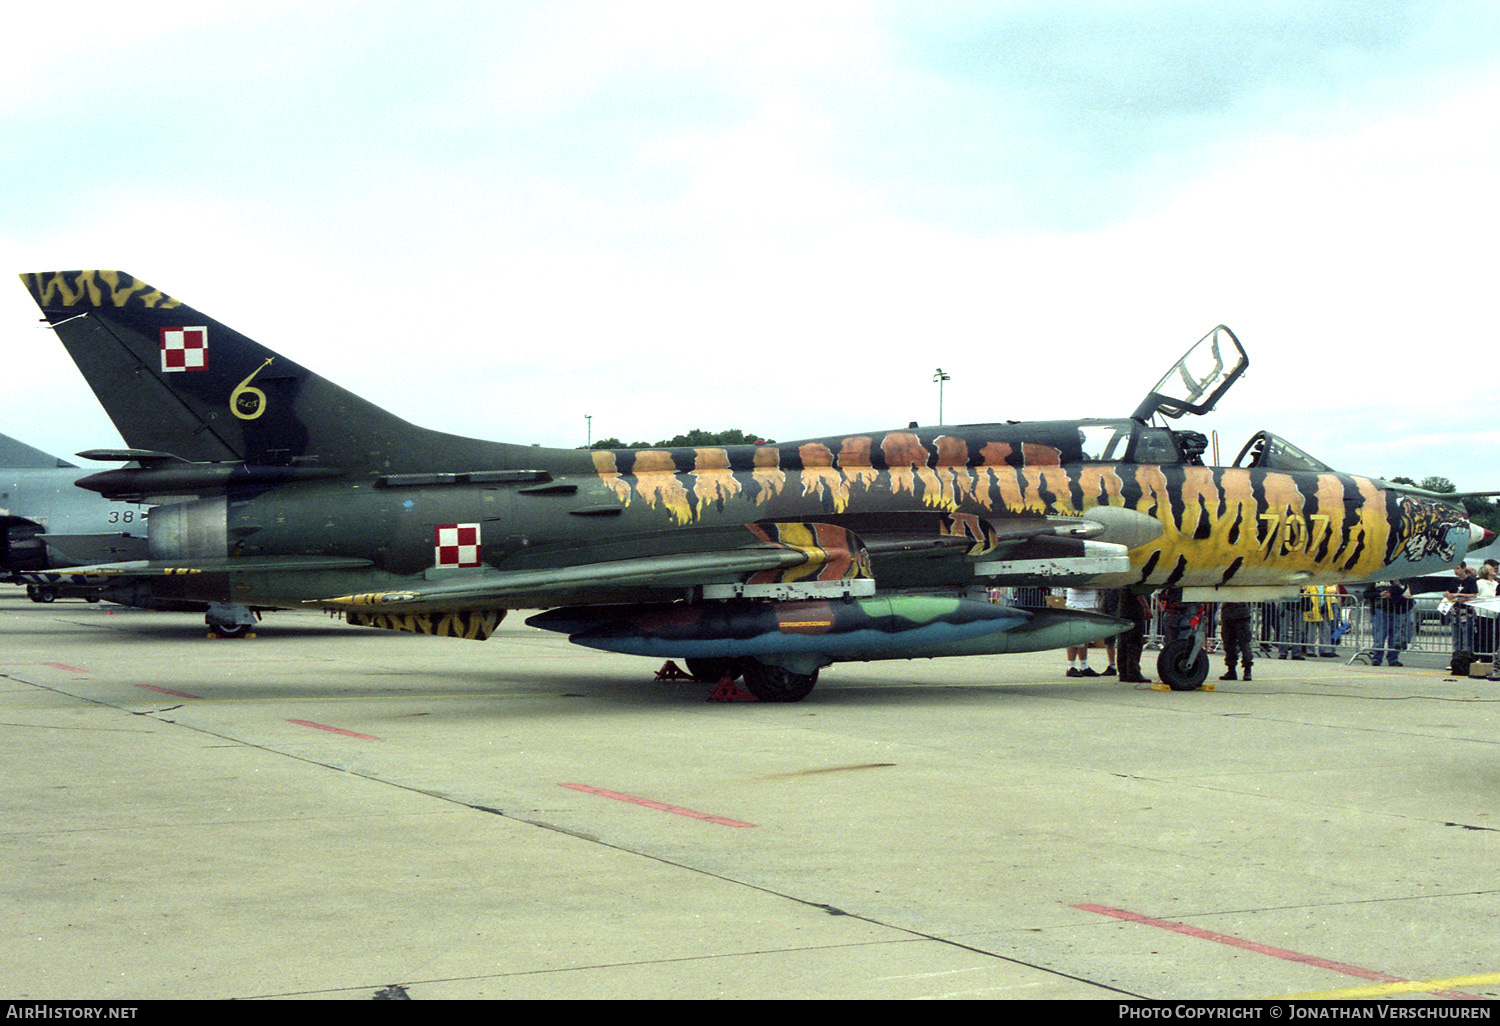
{"points": [[65, 666], [333, 730], [1261, 949], [166, 691], [659, 806]]}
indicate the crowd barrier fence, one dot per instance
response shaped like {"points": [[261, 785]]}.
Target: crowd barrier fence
{"points": [[1356, 631]]}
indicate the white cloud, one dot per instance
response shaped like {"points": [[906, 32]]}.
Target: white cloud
{"points": [[674, 216]]}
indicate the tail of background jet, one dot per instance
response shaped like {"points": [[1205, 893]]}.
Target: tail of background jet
{"points": [[20, 456], [175, 380]]}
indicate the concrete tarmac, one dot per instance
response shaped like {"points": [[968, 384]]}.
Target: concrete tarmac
{"points": [[336, 812]]}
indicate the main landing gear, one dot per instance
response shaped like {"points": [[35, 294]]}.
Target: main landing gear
{"points": [[1183, 663], [776, 683], [766, 682], [230, 620]]}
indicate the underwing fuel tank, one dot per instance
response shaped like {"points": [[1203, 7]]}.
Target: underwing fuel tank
{"points": [[897, 627]]}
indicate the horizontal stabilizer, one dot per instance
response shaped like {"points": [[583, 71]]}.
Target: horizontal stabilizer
{"points": [[145, 457], [170, 476]]}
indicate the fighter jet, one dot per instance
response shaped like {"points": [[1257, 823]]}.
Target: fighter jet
{"points": [[50, 530], [47, 524], [275, 487]]}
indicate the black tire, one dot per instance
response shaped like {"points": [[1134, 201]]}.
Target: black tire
{"points": [[1173, 666], [228, 630], [776, 684], [712, 671], [43, 594]]}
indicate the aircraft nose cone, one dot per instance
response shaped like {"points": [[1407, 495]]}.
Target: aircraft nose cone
{"points": [[1479, 536]]}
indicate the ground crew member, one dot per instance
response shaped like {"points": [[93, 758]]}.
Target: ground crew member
{"points": [[1235, 617]]}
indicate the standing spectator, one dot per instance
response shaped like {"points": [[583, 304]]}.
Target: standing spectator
{"points": [[1136, 609], [1078, 655], [1320, 603], [1268, 614], [1235, 618], [1390, 606], [1341, 624], [1484, 626], [1493, 623], [1289, 627], [1465, 586], [1112, 603]]}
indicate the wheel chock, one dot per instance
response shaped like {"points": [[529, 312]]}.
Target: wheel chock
{"points": [[671, 671], [1200, 687], [728, 691]]}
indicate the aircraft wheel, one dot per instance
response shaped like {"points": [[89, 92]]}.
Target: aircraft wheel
{"points": [[711, 671], [228, 630], [776, 684], [40, 593], [1174, 667]]}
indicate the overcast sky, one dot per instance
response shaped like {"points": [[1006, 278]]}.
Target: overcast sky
{"points": [[495, 219]]}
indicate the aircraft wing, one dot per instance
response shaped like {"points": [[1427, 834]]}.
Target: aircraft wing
{"points": [[539, 587], [501, 589], [783, 560], [789, 560], [161, 568]]}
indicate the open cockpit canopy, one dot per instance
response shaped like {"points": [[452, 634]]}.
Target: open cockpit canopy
{"points": [[1195, 384], [1198, 380]]}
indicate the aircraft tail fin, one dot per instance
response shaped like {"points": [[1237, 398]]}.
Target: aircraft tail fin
{"points": [[16, 455], [175, 380]]}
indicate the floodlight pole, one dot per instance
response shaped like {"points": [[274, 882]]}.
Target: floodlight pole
{"points": [[940, 377]]}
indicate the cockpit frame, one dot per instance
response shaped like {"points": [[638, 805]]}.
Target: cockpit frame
{"points": [[1197, 381]]}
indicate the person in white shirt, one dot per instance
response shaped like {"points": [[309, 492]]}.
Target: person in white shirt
{"points": [[1078, 655]]}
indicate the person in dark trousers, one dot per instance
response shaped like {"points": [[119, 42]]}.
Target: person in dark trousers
{"points": [[1136, 609], [1289, 625], [1235, 621], [1390, 603], [1463, 588]]}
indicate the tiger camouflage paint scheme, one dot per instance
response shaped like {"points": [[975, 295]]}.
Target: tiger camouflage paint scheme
{"points": [[1220, 525]]}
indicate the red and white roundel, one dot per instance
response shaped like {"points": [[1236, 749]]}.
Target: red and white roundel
{"points": [[184, 349], [456, 544]]}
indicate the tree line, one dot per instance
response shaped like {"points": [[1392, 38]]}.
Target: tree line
{"points": [[695, 438]]}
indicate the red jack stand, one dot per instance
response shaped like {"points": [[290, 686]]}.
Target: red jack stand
{"points": [[671, 671], [728, 691]]}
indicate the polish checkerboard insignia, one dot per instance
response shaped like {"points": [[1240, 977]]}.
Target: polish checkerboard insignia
{"points": [[184, 349], [456, 544]]}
